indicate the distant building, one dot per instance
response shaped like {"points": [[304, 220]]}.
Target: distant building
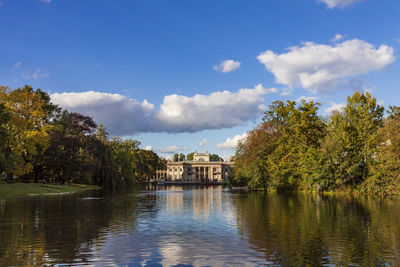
{"points": [[199, 170]]}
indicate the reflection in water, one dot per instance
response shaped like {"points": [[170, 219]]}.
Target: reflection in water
{"points": [[292, 229], [199, 226]]}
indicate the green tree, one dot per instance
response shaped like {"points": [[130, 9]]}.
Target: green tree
{"points": [[355, 134], [181, 157], [215, 157], [176, 157], [190, 156], [385, 173], [300, 130]]}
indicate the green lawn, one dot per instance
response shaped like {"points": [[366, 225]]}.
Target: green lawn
{"points": [[22, 189]]}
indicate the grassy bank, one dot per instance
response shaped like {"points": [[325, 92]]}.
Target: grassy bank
{"points": [[22, 189]]}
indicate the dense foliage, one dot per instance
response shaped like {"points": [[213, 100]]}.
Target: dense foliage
{"points": [[295, 148], [41, 142]]}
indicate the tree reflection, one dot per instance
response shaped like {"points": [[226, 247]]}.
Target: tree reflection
{"points": [[295, 229], [61, 229]]}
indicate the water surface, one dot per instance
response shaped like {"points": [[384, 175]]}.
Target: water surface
{"points": [[198, 226]]}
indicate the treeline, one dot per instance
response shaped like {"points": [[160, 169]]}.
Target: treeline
{"points": [[355, 149], [41, 142]]}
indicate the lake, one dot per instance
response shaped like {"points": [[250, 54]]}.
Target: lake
{"points": [[198, 226]]}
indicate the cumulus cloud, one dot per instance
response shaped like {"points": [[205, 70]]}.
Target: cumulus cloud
{"points": [[121, 115], [173, 149], [36, 75], [320, 67], [148, 147], [125, 116], [338, 3], [227, 66], [232, 142], [335, 107], [214, 111], [307, 98], [203, 142]]}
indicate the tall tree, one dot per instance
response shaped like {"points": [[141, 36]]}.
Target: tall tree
{"points": [[385, 173], [4, 118], [300, 130], [28, 129]]}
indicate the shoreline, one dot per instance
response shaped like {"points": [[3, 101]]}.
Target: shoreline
{"points": [[39, 189]]}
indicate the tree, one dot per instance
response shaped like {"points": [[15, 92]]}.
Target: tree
{"points": [[215, 157], [385, 173], [300, 130], [176, 157], [353, 137], [181, 157], [251, 157], [28, 129], [190, 156], [72, 153], [4, 118]]}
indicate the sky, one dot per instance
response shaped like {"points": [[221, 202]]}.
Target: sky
{"points": [[182, 76]]}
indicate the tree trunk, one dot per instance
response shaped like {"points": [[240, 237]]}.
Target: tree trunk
{"points": [[9, 178]]}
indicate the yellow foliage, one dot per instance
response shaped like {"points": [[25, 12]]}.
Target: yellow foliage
{"points": [[27, 127]]}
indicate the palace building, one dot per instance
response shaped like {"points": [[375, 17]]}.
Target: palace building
{"points": [[198, 170]]}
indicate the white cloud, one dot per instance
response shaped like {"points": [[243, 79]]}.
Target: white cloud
{"points": [[227, 66], [120, 115], [307, 98], [203, 142], [173, 149], [36, 75], [232, 142], [16, 66], [337, 38], [148, 147], [126, 116], [339, 3], [214, 111], [320, 67], [335, 107]]}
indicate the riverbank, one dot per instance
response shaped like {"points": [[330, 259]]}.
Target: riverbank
{"points": [[32, 189]]}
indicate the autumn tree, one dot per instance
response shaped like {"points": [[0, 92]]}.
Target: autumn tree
{"points": [[28, 129], [4, 118], [251, 157]]}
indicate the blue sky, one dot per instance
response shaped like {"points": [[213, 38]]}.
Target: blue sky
{"points": [[137, 66]]}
